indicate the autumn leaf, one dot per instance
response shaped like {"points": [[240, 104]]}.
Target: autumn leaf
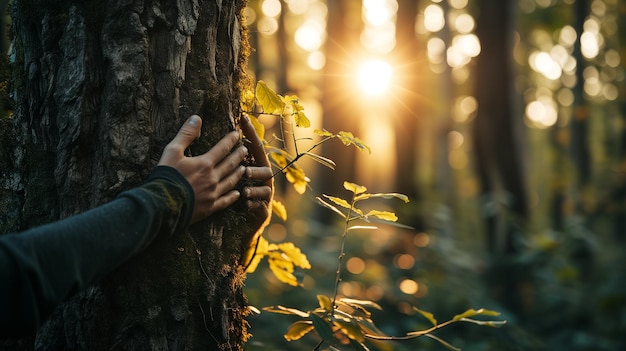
{"points": [[259, 253], [384, 215], [279, 209], [348, 139], [293, 107], [298, 329], [323, 133], [294, 255], [427, 315], [325, 302], [355, 188], [270, 102], [294, 174], [259, 128]]}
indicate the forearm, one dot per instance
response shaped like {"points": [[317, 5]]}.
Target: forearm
{"points": [[44, 266]]}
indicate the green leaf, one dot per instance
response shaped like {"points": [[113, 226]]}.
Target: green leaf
{"points": [[323, 160], [384, 215], [298, 330], [472, 313], [355, 188], [428, 316], [270, 102], [322, 327], [325, 302], [329, 206]]}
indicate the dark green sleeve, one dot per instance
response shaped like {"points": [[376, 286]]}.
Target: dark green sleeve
{"points": [[43, 266]]}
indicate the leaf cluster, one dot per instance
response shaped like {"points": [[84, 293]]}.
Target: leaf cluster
{"points": [[349, 322], [337, 321]]}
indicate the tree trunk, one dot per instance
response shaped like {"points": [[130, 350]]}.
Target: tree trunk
{"points": [[99, 88], [497, 130]]}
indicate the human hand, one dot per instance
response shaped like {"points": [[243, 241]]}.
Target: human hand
{"points": [[259, 195], [212, 175]]}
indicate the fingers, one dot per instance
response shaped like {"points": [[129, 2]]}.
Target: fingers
{"points": [[258, 192], [206, 208], [259, 174], [257, 149], [187, 133], [222, 149]]}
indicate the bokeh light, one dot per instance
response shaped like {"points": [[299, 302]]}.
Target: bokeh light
{"points": [[374, 77]]}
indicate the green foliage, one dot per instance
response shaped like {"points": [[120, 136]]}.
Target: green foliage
{"points": [[336, 320]]}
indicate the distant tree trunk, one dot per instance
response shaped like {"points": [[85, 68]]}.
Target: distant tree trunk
{"points": [[99, 88], [407, 120], [342, 51], [619, 226], [498, 129], [580, 120]]}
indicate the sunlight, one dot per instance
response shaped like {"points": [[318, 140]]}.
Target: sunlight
{"points": [[542, 112], [374, 77], [434, 19]]}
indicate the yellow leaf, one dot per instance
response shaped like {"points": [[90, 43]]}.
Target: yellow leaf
{"points": [[348, 139], [384, 215], [283, 271], [294, 174], [279, 209], [302, 120], [350, 328], [384, 196], [259, 128], [355, 188], [270, 102], [472, 312], [325, 302], [427, 315], [293, 107], [323, 133], [261, 251], [294, 255], [286, 310], [338, 201], [298, 330]]}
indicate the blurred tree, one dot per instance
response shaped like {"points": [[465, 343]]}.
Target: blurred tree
{"points": [[100, 87], [579, 141], [339, 92], [497, 130], [407, 120]]}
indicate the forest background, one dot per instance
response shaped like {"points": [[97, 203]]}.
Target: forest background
{"points": [[503, 121]]}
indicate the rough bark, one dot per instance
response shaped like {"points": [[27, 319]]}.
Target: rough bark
{"points": [[99, 88]]}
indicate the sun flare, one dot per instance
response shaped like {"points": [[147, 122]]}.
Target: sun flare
{"points": [[374, 77]]}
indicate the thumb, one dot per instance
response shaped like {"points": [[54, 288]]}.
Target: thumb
{"points": [[188, 132]]}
